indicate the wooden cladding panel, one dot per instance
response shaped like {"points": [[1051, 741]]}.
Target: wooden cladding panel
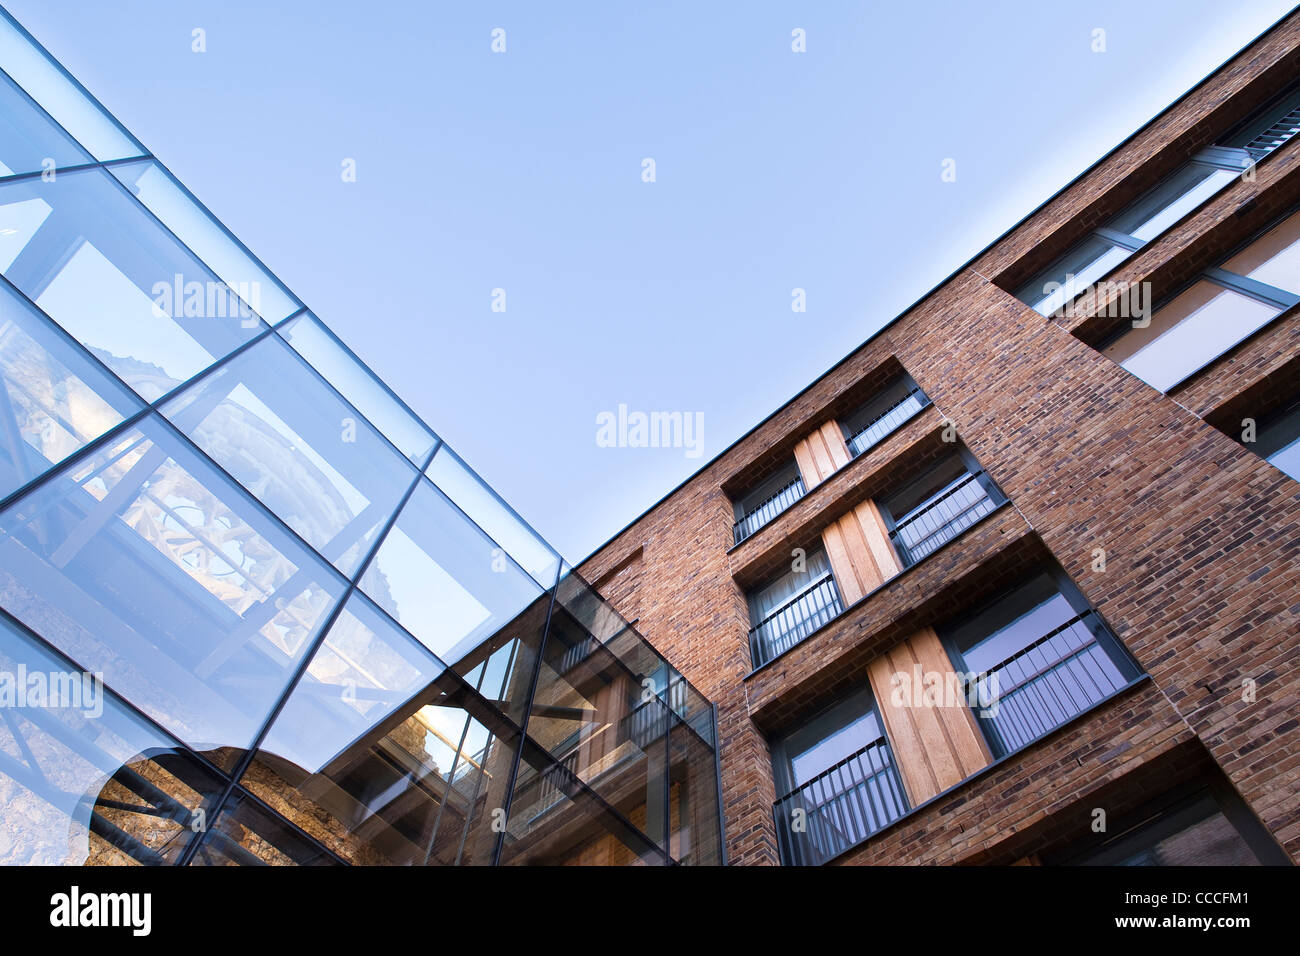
{"points": [[935, 739], [821, 454], [861, 556]]}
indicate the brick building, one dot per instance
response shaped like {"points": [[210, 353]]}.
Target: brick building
{"points": [[1016, 581]]}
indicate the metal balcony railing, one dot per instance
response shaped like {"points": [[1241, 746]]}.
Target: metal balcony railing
{"points": [[653, 718], [840, 807], [768, 509], [794, 620], [1048, 683], [952, 512], [872, 433]]}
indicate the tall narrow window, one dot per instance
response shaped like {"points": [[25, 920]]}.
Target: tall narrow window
{"points": [[766, 500], [839, 782], [790, 607]]}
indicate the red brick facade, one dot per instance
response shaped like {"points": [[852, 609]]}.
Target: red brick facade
{"points": [[1201, 536]]}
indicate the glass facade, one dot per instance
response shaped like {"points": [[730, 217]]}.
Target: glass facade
{"points": [[252, 608]]}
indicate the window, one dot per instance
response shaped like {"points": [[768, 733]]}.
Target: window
{"points": [[874, 421], [1191, 185], [1221, 309], [1270, 127], [938, 506], [839, 780], [766, 500], [1043, 657], [1200, 824], [789, 608], [1278, 440]]}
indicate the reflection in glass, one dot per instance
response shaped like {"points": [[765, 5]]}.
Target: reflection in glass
{"points": [[29, 142], [144, 563], [105, 270], [82, 779], [1188, 333], [1068, 277], [359, 386], [70, 105], [207, 238], [1274, 258], [1178, 195], [55, 399], [290, 440], [442, 579], [492, 514]]}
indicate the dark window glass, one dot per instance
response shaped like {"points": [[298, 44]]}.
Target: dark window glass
{"points": [[1041, 658]]}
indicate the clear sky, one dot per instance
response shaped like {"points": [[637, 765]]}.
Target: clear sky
{"points": [[523, 171]]}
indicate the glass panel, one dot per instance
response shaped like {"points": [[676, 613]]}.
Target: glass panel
{"points": [[102, 267], [363, 671], [1279, 441], [442, 579], [423, 786], [359, 386], [1159, 209], [289, 439], [1189, 333], [555, 821], [1071, 275], [70, 105], [605, 721], [1274, 258], [143, 562], [246, 834], [82, 779], [1040, 662], [55, 399], [28, 140], [207, 238], [490, 513]]}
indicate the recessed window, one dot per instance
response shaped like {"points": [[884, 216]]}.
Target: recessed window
{"points": [[1043, 657], [870, 424], [1158, 209], [937, 506], [793, 605], [839, 781], [767, 499], [1278, 440], [1220, 310]]}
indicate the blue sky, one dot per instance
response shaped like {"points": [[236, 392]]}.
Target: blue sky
{"points": [[522, 171]]}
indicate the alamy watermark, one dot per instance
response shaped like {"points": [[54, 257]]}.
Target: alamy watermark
{"points": [[208, 300], [52, 690], [922, 688], [632, 429], [1116, 300]]}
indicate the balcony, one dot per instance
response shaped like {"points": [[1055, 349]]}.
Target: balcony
{"points": [[929, 527], [794, 620], [1047, 683], [840, 807], [881, 426], [768, 509]]}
